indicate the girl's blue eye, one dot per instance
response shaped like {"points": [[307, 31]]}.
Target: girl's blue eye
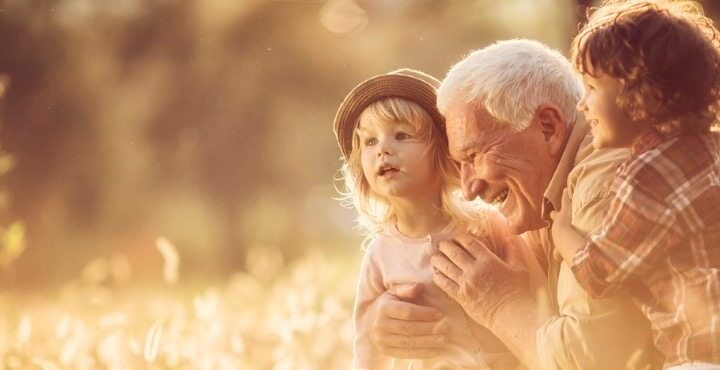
{"points": [[370, 141], [402, 136]]}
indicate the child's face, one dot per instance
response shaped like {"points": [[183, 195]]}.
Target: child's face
{"points": [[610, 125], [395, 162]]}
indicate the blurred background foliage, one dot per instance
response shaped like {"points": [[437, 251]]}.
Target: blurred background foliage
{"points": [[207, 122]]}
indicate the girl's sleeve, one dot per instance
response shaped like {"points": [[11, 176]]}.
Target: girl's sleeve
{"points": [[370, 286]]}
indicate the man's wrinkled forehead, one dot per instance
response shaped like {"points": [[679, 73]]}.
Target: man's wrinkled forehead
{"points": [[464, 129], [471, 118]]}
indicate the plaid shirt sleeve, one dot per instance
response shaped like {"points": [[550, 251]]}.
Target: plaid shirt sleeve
{"points": [[641, 224]]}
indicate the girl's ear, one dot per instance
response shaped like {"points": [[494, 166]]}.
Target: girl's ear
{"points": [[553, 127]]}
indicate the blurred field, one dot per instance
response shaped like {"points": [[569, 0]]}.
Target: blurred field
{"points": [[167, 166], [274, 317], [207, 121]]}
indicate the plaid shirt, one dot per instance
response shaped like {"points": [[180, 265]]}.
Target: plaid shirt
{"points": [[661, 240]]}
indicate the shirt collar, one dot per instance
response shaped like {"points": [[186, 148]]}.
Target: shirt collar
{"points": [[648, 141], [577, 147], [392, 231]]}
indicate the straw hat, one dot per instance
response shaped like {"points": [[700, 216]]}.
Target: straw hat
{"points": [[403, 83]]}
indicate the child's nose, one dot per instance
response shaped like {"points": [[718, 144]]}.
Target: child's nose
{"points": [[384, 148], [581, 106]]}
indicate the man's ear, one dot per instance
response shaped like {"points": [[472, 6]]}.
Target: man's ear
{"points": [[553, 128]]}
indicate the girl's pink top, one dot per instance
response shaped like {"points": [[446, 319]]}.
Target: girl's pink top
{"points": [[392, 258]]}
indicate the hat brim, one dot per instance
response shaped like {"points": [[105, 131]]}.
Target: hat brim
{"points": [[419, 88]]}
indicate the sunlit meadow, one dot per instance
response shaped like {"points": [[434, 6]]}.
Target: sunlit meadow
{"points": [[166, 170], [271, 317]]}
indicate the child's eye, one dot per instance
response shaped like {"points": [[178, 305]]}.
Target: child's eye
{"points": [[402, 136], [370, 141]]}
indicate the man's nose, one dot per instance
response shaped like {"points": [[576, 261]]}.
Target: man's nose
{"points": [[470, 183]]}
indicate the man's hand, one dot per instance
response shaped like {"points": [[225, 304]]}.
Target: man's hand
{"points": [[478, 279], [494, 292], [405, 330]]}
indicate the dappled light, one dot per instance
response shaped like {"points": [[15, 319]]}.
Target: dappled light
{"points": [[168, 171]]}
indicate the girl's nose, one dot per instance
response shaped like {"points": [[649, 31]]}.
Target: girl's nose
{"points": [[384, 149]]}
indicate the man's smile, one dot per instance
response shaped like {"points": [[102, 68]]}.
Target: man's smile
{"points": [[499, 197]]}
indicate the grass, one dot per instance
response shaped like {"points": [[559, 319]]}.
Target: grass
{"points": [[293, 317]]}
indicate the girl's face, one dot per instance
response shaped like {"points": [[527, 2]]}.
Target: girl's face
{"points": [[610, 125], [395, 162]]}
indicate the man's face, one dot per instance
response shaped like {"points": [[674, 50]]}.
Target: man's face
{"points": [[507, 169]]}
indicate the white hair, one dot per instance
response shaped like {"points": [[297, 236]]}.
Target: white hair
{"points": [[511, 79]]}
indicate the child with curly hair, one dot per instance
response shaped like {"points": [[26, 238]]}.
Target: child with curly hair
{"points": [[651, 72]]}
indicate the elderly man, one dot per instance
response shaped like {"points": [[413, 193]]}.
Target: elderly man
{"points": [[513, 128]]}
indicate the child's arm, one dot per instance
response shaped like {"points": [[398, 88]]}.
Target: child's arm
{"points": [[370, 287], [567, 241], [640, 226]]}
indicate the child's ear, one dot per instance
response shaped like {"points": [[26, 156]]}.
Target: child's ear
{"points": [[553, 128]]}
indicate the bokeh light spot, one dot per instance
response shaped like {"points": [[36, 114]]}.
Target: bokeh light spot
{"points": [[343, 16]]}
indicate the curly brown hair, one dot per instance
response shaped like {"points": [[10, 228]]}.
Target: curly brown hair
{"points": [[664, 52]]}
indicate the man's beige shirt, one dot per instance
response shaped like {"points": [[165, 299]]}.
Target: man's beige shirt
{"points": [[587, 333]]}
